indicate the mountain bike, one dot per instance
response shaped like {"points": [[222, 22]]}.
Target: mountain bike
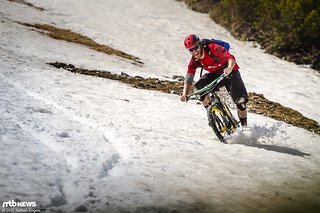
{"points": [[220, 118]]}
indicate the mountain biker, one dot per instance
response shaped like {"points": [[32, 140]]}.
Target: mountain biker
{"points": [[216, 62]]}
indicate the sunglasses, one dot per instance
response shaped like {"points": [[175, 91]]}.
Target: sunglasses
{"points": [[194, 48]]}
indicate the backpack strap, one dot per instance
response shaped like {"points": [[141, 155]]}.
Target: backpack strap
{"points": [[201, 71], [204, 43]]}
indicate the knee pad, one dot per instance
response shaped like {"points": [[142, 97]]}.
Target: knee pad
{"points": [[241, 103]]}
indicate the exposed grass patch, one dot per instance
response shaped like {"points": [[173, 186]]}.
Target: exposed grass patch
{"points": [[27, 3], [135, 81], [68, 35], [257, 104]]}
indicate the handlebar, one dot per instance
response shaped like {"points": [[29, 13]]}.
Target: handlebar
{"points": [[205, 90]]}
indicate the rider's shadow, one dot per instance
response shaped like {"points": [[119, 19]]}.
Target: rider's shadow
{"points": [[280, 149], [269, 134]]}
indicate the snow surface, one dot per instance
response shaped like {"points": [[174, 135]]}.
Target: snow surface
{"points": [[70, 141]]}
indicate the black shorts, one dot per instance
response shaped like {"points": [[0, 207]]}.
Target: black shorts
{"points": [[233, 83]]}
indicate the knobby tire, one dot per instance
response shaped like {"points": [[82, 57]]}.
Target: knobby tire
{"points": [[214, 122]]}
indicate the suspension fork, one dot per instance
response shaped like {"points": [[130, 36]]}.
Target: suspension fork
{"points": [[215, 99]]}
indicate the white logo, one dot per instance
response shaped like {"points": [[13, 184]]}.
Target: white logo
{"points": [[15, 206], [13, 203], [219, 65]]}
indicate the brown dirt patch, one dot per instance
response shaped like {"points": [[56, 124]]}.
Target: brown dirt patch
{"points": [[135, 81], [68, 35], [257, 104], [260, 105], [27, 3]]}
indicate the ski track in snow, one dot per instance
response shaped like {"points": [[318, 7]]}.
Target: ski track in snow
{"points": [[98, 154], [39, 161], [80, 156]]}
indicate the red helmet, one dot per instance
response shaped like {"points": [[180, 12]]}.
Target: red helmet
{"points": [[191, 40]]}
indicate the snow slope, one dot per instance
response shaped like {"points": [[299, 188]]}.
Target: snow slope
{"points": [[72, 142]]}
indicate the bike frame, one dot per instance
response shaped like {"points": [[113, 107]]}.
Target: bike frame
{"points": [[218, 112], [207, 89]]}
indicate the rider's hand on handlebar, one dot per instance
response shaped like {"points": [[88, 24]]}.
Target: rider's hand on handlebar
{"points": [[227, 71], [183, 98]]}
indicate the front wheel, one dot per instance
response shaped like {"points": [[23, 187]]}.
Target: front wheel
{"points": [[216, 123]]}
